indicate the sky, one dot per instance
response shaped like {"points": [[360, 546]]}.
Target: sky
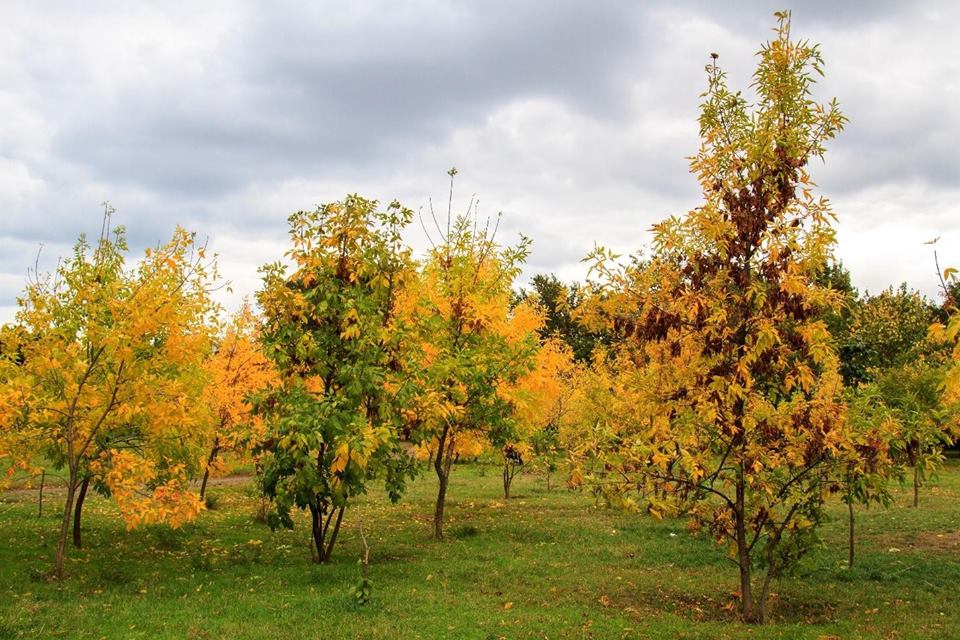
{"points": [[572, 118]]}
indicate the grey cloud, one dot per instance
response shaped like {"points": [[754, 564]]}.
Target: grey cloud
{"points": [[293, 94], [573, 117]]}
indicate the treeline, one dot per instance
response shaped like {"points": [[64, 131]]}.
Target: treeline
{"points": [[730, 375]]}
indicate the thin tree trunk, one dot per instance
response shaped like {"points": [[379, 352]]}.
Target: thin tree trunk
{"points": [[743, 555], [316, 532], [333, 536], [78, 511], [438, 510], [507, 480], [850, 538], [206, 472], [916, 486], [442, 464], [43, 477], [65, 526]]}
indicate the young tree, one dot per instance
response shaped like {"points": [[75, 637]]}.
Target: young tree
{"points": [[237, 370], [333, 334], [471, 345], [106, 377], [926, 421], [541, 400], [864, 472], [738, 416]]}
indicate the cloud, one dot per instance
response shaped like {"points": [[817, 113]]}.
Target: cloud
{"points": [[574, 120]]}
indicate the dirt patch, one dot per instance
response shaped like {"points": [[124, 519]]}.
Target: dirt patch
{"points": [[53, 487], [231, 480], [928, 541], [725, 607]]}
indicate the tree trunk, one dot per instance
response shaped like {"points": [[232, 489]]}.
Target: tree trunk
{"points": [[333, 536], [65, 526], [850, 538], [206, 472], [43, 477], [78, 511], [442, 464], [316, 532], [916, 486], [438, 510], [507, 480], [743, 556]]}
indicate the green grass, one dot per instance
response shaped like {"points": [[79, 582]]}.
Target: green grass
{"points": [[543, 565]]}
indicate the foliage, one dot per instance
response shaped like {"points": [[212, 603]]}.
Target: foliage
{"points": [[736, 415], [332, 332], [237, 370], [840, 321], [106, 376], [926, 421], [471, 345], [888, 329], [561, 307], [542, 399]]}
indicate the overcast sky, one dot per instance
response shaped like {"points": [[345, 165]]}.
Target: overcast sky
{"points": [[573, 118]]}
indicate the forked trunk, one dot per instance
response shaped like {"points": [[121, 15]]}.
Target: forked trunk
{"points": [[316, 533], [333, 536], [322, 549], [78, 511]]}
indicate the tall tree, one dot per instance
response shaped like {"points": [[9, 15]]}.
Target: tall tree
{"points": [[738, 415], [106, 378], [333, 334], [472, 343]]}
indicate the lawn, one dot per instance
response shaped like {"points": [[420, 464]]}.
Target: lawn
{"points": [[545, 564]]}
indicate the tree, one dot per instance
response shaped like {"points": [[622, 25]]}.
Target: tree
{"points": [[237, 370], [561, 305], [106, 377], [840, 322], [912, 396], [471, 345], [873, 459], [738, 418], [541, 401], [331, 329], [889, 328]]}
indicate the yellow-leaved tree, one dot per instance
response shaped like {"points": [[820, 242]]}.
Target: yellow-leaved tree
{"points": [[470, 344], [735, 415], [541, 400], [237, 371], [105, 377]]}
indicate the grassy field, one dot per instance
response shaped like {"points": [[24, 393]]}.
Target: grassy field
{"points": [[546, 564]]}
